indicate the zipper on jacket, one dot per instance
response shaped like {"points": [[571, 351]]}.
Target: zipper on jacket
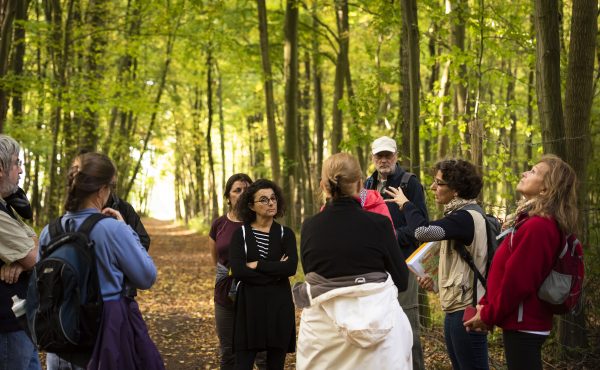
{"points": [[520, 317]]}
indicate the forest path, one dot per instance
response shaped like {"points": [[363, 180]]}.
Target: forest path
{"points": [[179, 309]]}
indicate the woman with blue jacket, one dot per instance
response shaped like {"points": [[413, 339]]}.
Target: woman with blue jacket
{"points": [[123, 341]]}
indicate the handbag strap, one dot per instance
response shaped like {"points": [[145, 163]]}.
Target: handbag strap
{"points": [[244, 236]]}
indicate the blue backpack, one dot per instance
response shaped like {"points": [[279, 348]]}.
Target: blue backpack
{"points": [[64, 302]]}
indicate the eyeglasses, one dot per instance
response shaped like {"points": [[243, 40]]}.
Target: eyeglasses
{"points": [[265, 201], [18, 163], [439, 182]]}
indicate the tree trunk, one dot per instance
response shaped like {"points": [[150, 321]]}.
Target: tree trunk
{"points": [[6, 35], [199, 173], [404, 116], [97, 18], [270, 101], [579, 95], [290, 61], [476, 131], [411, 19], [318, 93], [459, 9], [178, 184], [337, 130], [18, 60], [513, 145], [305, 143], [530, 96], [445, 129], [209, 148], [221, 130], [548, 76]]}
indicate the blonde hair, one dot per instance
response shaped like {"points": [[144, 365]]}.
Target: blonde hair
{"points": [[559, 200], [339, 175]]}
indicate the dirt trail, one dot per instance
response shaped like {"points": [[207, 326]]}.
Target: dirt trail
{"points": [[179, 308]]}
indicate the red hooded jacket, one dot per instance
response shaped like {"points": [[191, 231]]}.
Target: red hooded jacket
{"points": [[520, 265]]}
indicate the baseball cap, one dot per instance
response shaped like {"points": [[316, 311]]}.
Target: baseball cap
{"points": [[383, 144]]}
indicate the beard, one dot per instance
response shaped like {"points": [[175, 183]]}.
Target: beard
{"points": [[6, 189], [385, 170]]}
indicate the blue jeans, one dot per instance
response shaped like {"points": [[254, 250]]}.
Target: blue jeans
{"points": [[467, 350], [18, 352]]}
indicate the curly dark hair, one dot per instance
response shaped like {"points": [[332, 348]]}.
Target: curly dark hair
{"points": [[461, 176], [243, 210], [235, 177]]}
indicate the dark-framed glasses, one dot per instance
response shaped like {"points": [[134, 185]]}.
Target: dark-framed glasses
{"points": [[265, 201], [439, 182]]}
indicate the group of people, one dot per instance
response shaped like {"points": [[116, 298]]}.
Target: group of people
{"points": [[359, 302], [123, 265]]}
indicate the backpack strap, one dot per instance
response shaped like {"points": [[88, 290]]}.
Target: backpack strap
{"points": [[55, 228], [89, 223], [244, 237], [468, 258], [405, 179]]}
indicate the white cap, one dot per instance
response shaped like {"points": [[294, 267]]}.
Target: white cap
{"points": [[383, 144]]}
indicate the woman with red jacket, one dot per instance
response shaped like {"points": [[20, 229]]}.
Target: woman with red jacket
{"points": [[524, 260]]}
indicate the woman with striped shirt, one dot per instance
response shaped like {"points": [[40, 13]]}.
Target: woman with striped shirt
{"points": [[262, 255]]}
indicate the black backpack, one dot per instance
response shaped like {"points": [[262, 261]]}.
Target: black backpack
{"points": [[492, 230], [64, 302]]}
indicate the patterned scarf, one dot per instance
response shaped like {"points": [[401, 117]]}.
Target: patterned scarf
{"points": [[457, 203], [522, 207]]}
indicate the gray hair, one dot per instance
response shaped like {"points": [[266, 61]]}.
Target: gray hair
{"points": [[8, 148]]}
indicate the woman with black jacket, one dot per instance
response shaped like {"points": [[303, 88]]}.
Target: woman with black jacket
{"points": [[354, 268], [262, 255]]}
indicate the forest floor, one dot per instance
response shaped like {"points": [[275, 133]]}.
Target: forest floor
{"points": [[179, 308]]}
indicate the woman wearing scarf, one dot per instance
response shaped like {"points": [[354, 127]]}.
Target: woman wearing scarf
{"points": [[456, 185]]}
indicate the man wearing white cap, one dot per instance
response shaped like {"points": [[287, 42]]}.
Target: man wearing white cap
{"points": [[388, 172]]}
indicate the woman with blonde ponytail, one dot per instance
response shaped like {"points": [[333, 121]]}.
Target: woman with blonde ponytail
{"points": [[525, 258], [354, 269]]}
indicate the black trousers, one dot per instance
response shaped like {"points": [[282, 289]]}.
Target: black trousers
{"points": [[244, 360], [523, 351]]}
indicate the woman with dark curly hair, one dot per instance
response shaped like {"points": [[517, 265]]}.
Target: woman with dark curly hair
{"points": [[456, 185], [262, 255]]}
